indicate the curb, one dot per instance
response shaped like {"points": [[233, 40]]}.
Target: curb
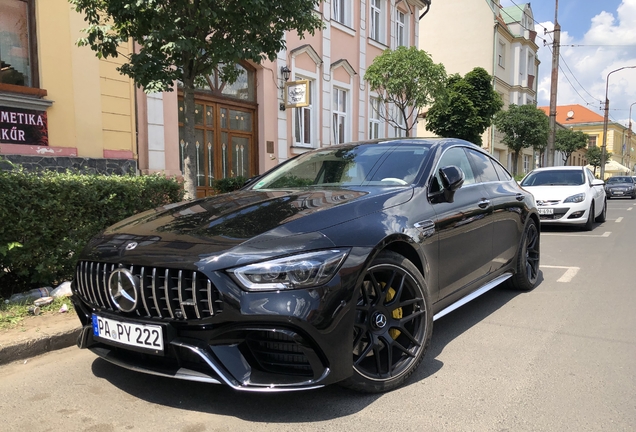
{"points": [[64, 336]]}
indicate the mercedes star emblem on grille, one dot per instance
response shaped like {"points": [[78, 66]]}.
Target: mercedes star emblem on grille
{"points": [[131, 245], [123, 291]]}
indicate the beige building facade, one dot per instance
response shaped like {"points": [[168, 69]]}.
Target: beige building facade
{"points": [[60, 106]]}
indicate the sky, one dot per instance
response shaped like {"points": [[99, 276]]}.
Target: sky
{"points": [[597, 37]]}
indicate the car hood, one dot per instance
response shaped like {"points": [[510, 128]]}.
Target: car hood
{"points": [[554, 193], [234, 218]]}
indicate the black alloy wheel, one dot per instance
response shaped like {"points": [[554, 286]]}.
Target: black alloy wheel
{"points": [[528, 258], [393, 324]]}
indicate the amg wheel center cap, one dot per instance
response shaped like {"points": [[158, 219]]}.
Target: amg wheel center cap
{"points": [[123, 289], [379, 320]]}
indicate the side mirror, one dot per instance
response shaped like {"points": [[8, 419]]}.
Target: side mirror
{"points": [[598, 182], [452, 179]]}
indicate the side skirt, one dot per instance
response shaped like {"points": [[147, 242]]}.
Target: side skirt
{"points": [[490, 285]]}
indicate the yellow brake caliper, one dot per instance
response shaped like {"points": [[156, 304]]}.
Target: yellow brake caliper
{"points": [[397, 313]]}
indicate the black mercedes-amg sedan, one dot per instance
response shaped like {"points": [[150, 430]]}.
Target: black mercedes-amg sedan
{"points": [[330, 268]]}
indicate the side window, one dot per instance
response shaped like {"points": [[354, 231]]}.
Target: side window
{"points": [[454, 156], [590, 176], [482, 167], [503, 174]]}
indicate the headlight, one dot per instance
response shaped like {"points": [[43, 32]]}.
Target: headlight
{"points": [[296, 271], [575, 198]]}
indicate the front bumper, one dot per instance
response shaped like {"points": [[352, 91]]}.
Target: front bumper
{"points": [[620, 193], [565, 213], [253, 341]]}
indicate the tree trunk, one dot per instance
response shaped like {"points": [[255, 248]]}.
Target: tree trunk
{"points": [[515, 158], [190, 150]]}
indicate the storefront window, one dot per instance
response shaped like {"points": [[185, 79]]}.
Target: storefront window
{"points": [[15, 43]]}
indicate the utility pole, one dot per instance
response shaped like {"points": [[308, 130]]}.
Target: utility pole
{"points": [[553, 87]]}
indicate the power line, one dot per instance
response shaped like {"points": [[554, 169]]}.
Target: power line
{"points": [[574, 76]]}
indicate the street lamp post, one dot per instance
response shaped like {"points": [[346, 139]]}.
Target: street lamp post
{"points": [[629, 137], [605, 119]]}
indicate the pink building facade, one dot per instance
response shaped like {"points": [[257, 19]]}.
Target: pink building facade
{"points": [[244, 129]]}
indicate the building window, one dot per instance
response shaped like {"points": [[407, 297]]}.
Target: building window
{"points": [[303, 124], [502, 55], [339, 116], [400, 128], [374, 119], [17, 43], [376, 20], [342, 11], [591, 142], [526, 163], [400, 29]]}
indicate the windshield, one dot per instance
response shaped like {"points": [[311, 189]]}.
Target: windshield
{"points": [[620, 180], [554, 178], [384, 164]]}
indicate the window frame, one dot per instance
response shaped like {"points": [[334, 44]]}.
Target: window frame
{"points": [[341, 12], [377, 20], [502, 55], [34, 87], [401, 29], [374, 118], [312, 114], [336, 115]]}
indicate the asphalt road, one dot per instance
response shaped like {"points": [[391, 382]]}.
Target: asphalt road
{"points": [[560, 358]]}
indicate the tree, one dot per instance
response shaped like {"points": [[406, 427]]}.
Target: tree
{"points": [[594, 157], [523, 126], [469, 108], [408, 80], [185, 40], [568, 141]]}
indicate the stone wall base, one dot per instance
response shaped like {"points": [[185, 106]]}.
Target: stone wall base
{"points": [[74, 164]]}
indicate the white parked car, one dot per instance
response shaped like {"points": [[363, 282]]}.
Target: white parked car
{"points": [[567, 195]]}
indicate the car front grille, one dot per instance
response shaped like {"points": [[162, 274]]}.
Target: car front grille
{"points": [[277, 352], [164, 292]]}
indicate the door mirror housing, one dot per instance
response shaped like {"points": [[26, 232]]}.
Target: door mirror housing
{"points": [[452, 179], [598, 182]]}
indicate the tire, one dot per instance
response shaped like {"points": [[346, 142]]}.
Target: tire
{"points": [[393, 325], [590, 220], [601, 218], [528, 258]]}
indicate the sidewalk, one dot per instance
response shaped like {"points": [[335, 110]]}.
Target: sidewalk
{"points": [[38, 334]]}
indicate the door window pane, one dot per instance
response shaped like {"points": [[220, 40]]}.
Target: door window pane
{"points": [[200, 144], [241, 156], [240, 120], [483, 167], [210, 156]]}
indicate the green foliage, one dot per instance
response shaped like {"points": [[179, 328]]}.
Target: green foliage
{"points": [[187, 39], [53, 215], [407, 78], [594, 155], [568, 141], [469, 108], [523, 126], [228, 184]]}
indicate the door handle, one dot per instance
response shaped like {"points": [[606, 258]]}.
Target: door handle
{"points": [[519, 197], [484, 203]]}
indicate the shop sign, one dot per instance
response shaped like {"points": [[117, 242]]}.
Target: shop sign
{"points": [[297, 94], [23, 126]]}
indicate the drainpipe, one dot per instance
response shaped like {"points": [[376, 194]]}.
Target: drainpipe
{"points": [[491, 150], [428, 7]]}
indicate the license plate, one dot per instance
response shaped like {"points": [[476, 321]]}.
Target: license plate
{"points": [[546, 211], [618, 193], [137, 335]]}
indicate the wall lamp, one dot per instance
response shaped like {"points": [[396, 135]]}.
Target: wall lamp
{"points": [[285, 73]]}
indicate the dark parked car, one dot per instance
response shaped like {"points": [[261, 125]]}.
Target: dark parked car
{"points": [[620, 187], [329, 268]]}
